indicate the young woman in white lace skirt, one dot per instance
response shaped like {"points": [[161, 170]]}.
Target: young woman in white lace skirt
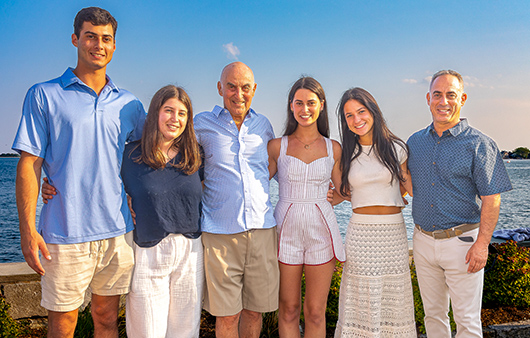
{"points": [[376, 292]]}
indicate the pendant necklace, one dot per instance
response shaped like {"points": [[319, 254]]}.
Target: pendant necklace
{"points": [[307, 145]]}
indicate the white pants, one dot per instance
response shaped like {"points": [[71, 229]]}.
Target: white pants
{"points": [[166, 289], [442, 275]]}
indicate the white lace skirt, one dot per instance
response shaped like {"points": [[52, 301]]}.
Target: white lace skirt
{"points": [[376, 291]]}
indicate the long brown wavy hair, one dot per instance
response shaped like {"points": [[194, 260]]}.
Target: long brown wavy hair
{"points": [[186, 144]]}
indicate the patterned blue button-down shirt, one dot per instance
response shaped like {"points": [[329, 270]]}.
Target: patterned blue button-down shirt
{"points": [[236, 174], [450, 172]]}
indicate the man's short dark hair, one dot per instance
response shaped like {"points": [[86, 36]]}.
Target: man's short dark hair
{"points": [[447, 72], [96, 16]]}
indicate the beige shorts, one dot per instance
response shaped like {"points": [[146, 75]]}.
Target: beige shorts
{"points": [[105, 266], [241, 272]]}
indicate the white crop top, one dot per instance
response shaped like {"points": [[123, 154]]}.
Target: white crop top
{"points": [[371, 182]]}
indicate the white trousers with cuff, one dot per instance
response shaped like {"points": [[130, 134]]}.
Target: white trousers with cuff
{"points": [[166, 289], [443, 278]]}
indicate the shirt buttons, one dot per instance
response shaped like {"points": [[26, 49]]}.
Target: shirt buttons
{"points": [[434, 163], [433, 184], [432, 205]]}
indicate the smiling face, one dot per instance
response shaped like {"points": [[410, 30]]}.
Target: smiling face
{"points": [[445, 99], [172, 118], [360, 121], [237, 88], [306, 107], [95, 46]]}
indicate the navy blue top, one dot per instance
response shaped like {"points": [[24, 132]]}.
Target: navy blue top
{"points": [[166, 201], [450, 172]]}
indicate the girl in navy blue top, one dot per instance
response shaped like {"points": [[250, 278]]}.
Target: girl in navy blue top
{"points": [[160, 174]]}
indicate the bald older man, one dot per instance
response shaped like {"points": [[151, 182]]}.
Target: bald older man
{"points": [[239, 234]]}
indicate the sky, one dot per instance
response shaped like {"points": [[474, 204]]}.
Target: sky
{"points": [[390, 48]]}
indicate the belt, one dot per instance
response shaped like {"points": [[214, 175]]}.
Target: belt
{"points": [[448, 233]]}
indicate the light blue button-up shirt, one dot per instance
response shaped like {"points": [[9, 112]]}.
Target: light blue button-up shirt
{"points": [[236, 176], [81, 137], [450, 172]]}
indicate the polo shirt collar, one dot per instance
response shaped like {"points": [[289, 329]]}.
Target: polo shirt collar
{"points": [[68, 78], [460, 127]]}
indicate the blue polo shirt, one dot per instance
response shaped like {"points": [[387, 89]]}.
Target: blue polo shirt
{"points": [[450, 172], [81, 137], [236, 175]]}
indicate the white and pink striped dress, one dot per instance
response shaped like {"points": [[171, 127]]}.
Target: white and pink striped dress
{"points": [[307, 227]]}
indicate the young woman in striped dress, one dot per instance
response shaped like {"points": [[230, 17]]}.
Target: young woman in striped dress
{"points": [[309, 241]]}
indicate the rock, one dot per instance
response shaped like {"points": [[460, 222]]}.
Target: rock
{"points": [[24, 298], [514, 330]]}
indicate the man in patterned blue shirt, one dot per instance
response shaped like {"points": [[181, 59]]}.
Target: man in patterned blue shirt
{"points": [[453, 166], [239, 230]]}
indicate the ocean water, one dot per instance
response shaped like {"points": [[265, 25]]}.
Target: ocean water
{"points": [[515, 206], [9, 234]]}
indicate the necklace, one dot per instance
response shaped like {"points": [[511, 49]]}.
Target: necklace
{"points": [[169, 154], [363, 147], [307, 145]]}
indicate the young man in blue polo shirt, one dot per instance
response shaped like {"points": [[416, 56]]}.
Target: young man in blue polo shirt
{"points": [[452, 166], [75, 128]]}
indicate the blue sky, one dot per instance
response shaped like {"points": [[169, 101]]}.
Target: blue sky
{"points": [[389, 48]]}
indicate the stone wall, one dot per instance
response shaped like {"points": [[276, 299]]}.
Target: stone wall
{"points": [[20, 285]]}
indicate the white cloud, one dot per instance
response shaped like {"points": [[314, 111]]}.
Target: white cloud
{"points": [[231, 50], [410, 81], [471, 81]]}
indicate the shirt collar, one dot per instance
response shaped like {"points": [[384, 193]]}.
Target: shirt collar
{"points": [[460, 127], [68, 78], [217, 110]]}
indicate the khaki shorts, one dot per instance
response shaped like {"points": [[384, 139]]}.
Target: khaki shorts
{"points": [[241, 272], [105, 266]]}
